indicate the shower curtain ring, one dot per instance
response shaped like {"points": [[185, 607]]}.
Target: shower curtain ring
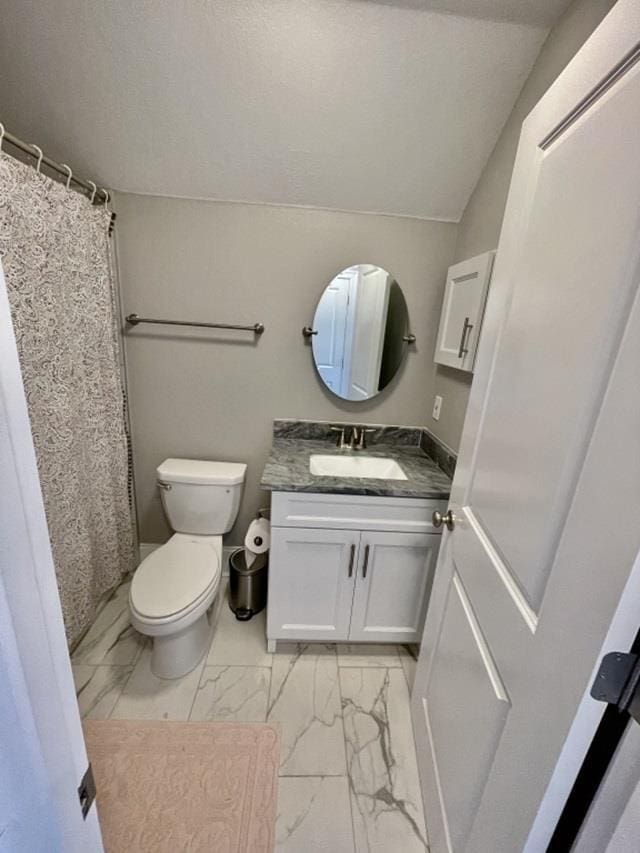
{"points": [[1, 134], [107, 198], [69, 174], [40, 156], [95, 190]]}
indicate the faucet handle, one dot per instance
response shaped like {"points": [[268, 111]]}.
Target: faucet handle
{"points": [[361, 439], [340, 442]]}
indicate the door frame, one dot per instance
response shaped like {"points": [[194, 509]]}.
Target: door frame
{"points": [[352, 301], [318, 332], [356, 295], [37, 646], [617, 36]]}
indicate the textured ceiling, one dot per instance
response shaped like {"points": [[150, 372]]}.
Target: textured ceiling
{"points": [[367, 105]]}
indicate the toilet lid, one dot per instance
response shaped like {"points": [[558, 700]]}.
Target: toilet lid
{"points": [[174, 577]]}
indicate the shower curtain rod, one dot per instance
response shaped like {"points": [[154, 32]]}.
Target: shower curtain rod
{"points": [[61, 169]]}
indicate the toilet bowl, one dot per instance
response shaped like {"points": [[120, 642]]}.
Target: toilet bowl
{"points": [[174, 587], [170, 594]]}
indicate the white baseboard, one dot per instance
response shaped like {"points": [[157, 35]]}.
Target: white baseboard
{"points": [[147, 548]]}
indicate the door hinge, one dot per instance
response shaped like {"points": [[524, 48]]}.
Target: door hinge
{"points": [[87, 792], [617, 682]]}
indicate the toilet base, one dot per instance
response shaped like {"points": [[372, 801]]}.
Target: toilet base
{"points": [[175, 655]]}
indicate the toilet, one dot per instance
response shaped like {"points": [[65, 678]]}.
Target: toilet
{"points": [[174, 587]]}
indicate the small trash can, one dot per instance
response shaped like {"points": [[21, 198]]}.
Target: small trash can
{"points": [[247, 586]]}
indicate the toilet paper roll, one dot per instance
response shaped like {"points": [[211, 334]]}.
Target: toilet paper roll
{"points": [[258, 538]]}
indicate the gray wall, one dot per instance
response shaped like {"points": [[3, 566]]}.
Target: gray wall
{"points": [[480, 225], [205, 395]]}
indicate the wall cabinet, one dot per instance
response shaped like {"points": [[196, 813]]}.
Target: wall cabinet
{"points": [[350, 583], [465, 296]]}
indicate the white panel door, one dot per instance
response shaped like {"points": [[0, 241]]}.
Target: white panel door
{"points": [[42, 750], [392, 586], [330, 323], [311, 577], [546, 496], [367, 332], [462, 309]]}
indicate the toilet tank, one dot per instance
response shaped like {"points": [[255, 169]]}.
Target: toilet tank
{"points": [[199, 496]]}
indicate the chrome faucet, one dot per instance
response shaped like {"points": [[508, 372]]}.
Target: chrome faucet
{"points": [[343, 442], [352, 438], [359, 437]]}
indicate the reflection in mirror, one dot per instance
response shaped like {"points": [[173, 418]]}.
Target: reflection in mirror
{"points": [[359, 332]]}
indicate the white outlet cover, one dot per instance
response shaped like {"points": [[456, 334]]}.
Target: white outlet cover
{"points": [[437, 406]]}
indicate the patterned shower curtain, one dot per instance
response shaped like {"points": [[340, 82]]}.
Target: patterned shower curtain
{"points": [[55, 255]]}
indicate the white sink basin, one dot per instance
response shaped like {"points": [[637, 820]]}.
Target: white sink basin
{"points": [[372, 467]]}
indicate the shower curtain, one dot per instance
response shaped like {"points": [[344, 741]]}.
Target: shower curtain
{"points": [[54, 248]]}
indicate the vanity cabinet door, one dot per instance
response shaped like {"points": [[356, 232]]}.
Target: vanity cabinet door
{"points": [[311, 580], [393, 583]]}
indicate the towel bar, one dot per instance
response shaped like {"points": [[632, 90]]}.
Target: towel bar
{"points": [[134, 320]]}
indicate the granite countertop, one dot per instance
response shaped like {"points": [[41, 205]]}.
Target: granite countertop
{"points": [[287, 470]]}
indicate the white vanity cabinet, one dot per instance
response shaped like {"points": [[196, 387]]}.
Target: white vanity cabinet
{"points": [[350, 568]]}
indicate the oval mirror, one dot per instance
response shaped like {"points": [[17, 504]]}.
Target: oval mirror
{"points": [[360, 330]]}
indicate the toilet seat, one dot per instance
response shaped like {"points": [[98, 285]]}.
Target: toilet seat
{"points": [[175, 578]]}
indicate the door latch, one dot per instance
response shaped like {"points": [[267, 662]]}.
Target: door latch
{"points": [[617, 682], [87, 792]]}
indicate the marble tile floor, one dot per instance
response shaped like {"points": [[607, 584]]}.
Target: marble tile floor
{"points": [[348, 774]]}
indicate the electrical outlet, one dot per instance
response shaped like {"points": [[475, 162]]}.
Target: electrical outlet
{"points": [[437, 406]]}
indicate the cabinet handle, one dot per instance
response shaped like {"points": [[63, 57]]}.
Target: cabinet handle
{"points": [[351, 559], [365, 562], [466, 328]]}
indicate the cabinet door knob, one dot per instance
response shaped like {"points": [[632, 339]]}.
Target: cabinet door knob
{"points": [[352, 557], [447, 519]]}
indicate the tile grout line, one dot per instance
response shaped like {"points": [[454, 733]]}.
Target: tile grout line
{"points": [[117, 699], [126, 681], [226, 666], [214, 629], [236, 666], [124, 685], [240, 665], [312, 776], [266, 713], [195, 692], [346, 758], [216, 609]]}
